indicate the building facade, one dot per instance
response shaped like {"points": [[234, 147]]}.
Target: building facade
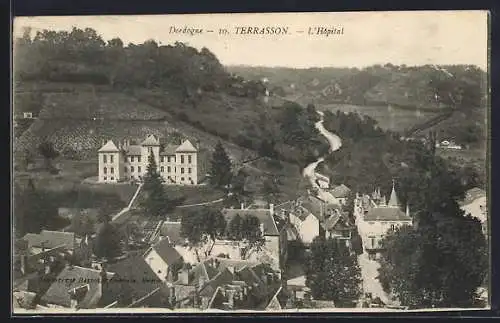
{"points": [[183, 164], [375, 217]]}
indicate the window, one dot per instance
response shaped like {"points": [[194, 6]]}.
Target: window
{"points": [[162, 159], [125, 169], [393, 227], [112, 178], [189, 170], [104, 159], [189, 159], [182, 179], [138, 169], [161, 169], [168, 159], [132, 159], [112, 170], [150, 150], [139, 159], [132, 169], [168, 169], [105, 178], [111, 158], [182, 159], [105, 170], [182, 170]]}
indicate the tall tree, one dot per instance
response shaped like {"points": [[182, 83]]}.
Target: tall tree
{"points": [[333, 273], [155, 202], [247, 230], [108, 241], [201, 226], [220, 171], [447, 263], [49, 153], [271, 189]]}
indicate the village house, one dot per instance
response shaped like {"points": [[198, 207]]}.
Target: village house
{"points": [[77, 288], [322, 180], [475, 204], [227, 284], [274, 250], [311, 217], [163, 259], [184, 164], [134, 284], [375, 217], [341, 193]]}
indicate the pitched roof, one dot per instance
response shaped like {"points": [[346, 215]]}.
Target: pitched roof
{"points": [[151, 140], [264, 216], [172, 230], [167, 252], [169, 150], [134, 150], [186, 147], [341, 191], [109, 147], [133, 276], [51, 239], [73, 277], [386, 214]]}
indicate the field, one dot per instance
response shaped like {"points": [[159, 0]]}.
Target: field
{"points": [[67, 190], [388, 119]]}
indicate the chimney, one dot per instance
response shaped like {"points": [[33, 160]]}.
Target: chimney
{"points": [[262, 228], [42, 244], [271, 208], [242, 206]]}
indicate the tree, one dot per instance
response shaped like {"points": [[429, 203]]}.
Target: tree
{"points": [[333, 273], [155, 202], [82, 225], [271, 189], [49, 153], [247, 231], [203, 225], [447, 263], [34, 210], [108, 241], [220, 171]]}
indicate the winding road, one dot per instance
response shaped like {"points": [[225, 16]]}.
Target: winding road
{"points": [[369, 268], [310, 171]]}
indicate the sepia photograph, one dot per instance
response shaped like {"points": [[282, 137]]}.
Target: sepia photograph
{"points": [[258, 162]]}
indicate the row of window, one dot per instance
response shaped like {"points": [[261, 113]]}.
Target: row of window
{"points": [[111, 170], [133, 158], [162, 169], [112, 178], [105, 159]]}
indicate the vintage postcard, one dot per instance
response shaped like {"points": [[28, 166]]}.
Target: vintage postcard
{"points": [[264, 162]]}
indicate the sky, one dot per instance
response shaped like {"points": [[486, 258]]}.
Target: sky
{"points": [[411, 38]]}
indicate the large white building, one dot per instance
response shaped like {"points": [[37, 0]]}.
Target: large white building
{"points": [[183, 164], [375, 217]]}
